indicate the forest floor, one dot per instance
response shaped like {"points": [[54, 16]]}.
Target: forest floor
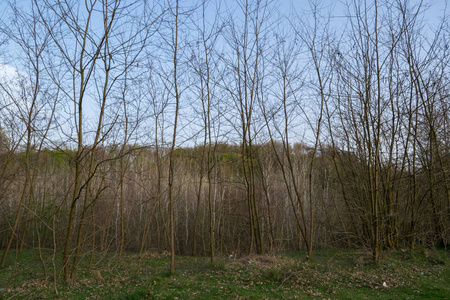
{"points": [[329, 274]]}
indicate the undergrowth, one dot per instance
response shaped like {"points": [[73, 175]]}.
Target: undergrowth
{"points": [[328, 274]]}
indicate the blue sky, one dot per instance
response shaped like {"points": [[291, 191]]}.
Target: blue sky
{"points": [[292, 9]]}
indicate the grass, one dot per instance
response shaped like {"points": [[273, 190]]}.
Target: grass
{"points": [[329, 274]]}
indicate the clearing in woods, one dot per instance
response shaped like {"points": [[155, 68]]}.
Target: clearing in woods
{"points": [[329, 274]]}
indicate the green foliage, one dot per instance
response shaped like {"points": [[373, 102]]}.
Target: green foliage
{"points": [[180, 153], [60, 157], [273, 274], [228, 157], [335, 274]]}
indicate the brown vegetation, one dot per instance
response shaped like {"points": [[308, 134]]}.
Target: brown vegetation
{"points": [[205, 136]]}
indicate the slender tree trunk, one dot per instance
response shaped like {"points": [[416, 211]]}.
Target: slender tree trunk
{"points": [[172, 149]]}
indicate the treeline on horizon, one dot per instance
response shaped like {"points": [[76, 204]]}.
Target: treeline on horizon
{"points": [[302, 134]]}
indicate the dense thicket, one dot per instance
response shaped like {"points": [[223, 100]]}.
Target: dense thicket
{"points": [[215, 130]]}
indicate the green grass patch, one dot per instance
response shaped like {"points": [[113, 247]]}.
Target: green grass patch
{"points": [[328, 274]]}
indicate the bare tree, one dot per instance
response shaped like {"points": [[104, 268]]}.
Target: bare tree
{"points": [[204, 65], [241, 81], [27, 102], [93, 57]]}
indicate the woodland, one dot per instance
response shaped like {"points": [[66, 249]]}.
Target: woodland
{"points": [[217, 129]]}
